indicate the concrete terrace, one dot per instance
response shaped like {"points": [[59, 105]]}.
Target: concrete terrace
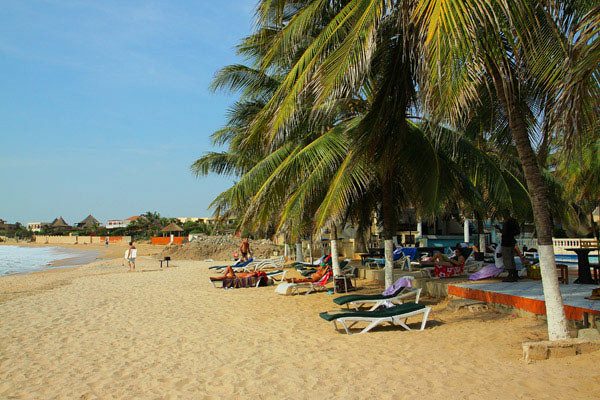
{"points": [[528, 295]]}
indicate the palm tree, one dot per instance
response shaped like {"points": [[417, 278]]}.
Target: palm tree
{"points": [[530, 51], [341, 140]]}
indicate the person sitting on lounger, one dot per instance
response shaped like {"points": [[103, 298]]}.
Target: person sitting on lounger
{"points": [[320, 273], [456, 260], [230, 273]]}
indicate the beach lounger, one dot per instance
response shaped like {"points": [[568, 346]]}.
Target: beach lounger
{"points": [[288, 288], [250, 281], [238, 264], [396, 315], [376, 300]]}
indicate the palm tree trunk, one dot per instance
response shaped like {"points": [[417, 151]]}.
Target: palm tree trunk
{"points": [[335, 262], [555, 313]]}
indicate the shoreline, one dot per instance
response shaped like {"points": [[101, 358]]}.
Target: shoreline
{"points": [[66, 257]]}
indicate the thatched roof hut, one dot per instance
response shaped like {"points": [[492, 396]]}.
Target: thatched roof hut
{"points": [[171, 228], [59, 223], [88, 222]]}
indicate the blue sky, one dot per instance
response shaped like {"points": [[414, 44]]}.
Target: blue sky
{"points": [[105, 104]]}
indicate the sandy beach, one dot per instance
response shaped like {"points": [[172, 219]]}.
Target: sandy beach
{"points": [[97, 331]]}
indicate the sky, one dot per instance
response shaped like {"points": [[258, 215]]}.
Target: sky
{"points": [[104, 105]]}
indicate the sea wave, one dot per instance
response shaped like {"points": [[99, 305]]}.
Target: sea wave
{"points": [[18, 260]]}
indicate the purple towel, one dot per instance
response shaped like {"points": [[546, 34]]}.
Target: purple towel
{"points": [[400, 283], [489, 271]]}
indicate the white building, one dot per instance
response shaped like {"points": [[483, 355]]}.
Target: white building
{"points": [[116, 223], [120, 223]]}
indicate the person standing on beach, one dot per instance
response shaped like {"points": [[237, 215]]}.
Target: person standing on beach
{"points": [[245, 249], [510, 229], [131, 255], [106, 241]]}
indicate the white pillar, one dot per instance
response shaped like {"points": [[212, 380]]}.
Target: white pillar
{"points": [[299, 255], [171, 239], [335, 262], [493, 232], [419, 229], [466, 231]]}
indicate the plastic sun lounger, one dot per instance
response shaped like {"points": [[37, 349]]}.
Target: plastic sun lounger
{"points": [[396, 315], [356, 300], [289, 288], [241, 282], [238, 264], [313, 286]]}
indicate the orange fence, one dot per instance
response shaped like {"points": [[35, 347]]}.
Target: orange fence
{"points": [[115, 239], [164, 240]]}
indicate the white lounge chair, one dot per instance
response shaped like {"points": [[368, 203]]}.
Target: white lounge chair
{"points": [[289, 288], [396, 315]]}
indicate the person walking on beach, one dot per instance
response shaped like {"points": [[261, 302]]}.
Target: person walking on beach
{"points": [[106, 241], [245, 249], [510, 229], [131, 255]]}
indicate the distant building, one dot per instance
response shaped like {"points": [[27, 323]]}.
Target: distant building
{"points": [[116, 223], [120, 223], [37, 226]]}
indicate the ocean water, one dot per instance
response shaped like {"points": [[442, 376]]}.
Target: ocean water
{"points": [[18, 260]]}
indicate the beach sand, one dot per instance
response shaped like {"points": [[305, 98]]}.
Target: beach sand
{"points": [[99, 332]]}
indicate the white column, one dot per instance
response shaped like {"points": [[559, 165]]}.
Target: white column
{"points": [[299, 255], [466, 231], [335, 262], [419, 229]]}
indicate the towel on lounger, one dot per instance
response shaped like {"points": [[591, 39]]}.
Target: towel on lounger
{"points": [[400, 283]]}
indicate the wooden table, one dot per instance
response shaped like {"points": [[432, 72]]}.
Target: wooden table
{"points": [[583, 264]]}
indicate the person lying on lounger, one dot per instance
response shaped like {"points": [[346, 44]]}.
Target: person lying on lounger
{"points": [[230, 273], [321, 271], [456, 260]]}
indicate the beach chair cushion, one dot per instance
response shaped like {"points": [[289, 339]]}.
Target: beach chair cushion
{"points": [[342, 300], [381, 313]]}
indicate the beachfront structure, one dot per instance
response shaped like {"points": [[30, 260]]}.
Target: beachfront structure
{"points": [[37, 226], [120, 223], [89, 222]]}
